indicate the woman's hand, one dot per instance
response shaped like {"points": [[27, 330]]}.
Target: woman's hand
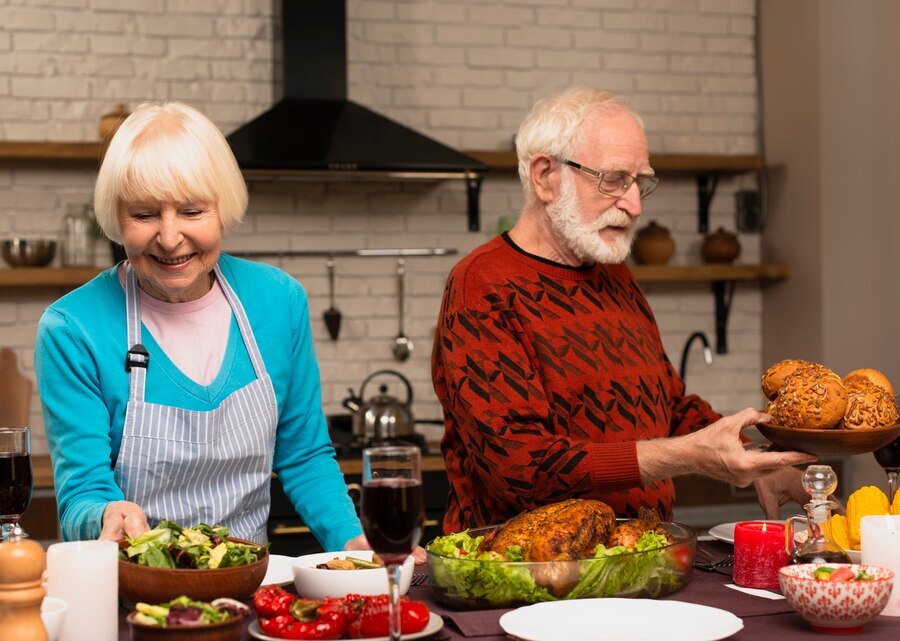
{"points": [[123, 519], [361, 543]]}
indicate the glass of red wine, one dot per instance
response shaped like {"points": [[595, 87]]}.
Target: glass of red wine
{"points": [[888, 458], [16, 480], [393, 512]]}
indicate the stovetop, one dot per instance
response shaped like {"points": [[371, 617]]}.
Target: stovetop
{"points": [[346, 446]]}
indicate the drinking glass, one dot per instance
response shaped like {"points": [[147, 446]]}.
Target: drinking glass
{"points": [[393, 513], [888, 458], [16, 480]]}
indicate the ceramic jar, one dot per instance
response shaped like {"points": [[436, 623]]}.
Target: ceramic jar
{"points": [[720, 247], [109, 122], [653, 245]]}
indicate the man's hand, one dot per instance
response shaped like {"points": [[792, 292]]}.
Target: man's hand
{"points": [[123, 519], [715, 451], [361, 543], [778, 488]]}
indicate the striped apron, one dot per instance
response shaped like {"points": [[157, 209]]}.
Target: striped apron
{"points": [[199, 467]]}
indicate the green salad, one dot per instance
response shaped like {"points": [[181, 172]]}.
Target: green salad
{"points": [[464, 576], [203, 546], [186, 611]]}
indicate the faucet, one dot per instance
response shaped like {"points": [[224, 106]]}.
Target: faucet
{"points": [[707, 352]]}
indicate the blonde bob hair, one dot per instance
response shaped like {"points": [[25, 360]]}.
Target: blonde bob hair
{"points": [[168, 151], [554, 126]]}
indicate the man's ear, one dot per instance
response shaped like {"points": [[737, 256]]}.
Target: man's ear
{"points": [[544, 178]]}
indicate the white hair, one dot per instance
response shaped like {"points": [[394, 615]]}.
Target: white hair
{"points": [[554, 126], [168, 151]]}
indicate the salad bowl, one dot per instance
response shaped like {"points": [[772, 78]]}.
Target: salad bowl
{"points": [[141, 583], [836, 606], [465, 583], [229, 630], [313, 582]]}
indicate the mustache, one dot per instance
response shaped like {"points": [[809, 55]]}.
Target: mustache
{"points": [[613, 217]]}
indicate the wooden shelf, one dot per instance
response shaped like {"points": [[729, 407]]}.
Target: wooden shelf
{"points": [[709, 273], [75, 276], [688, 164], [46, 276], [77, 152]]}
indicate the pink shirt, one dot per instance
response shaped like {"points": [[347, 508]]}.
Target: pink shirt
{"points": [[194, 334]]}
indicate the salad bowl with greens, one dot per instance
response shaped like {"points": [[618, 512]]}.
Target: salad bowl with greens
{"points": [[464, 578], [200, 562]]}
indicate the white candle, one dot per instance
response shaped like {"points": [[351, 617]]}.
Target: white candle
{"points": [[880, 540], [85, 574]]}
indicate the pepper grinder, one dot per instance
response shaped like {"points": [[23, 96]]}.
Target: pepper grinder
{"points": [[21, 592]]}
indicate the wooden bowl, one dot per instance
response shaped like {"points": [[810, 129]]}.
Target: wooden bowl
{"points": [[229, 630], [159, 585], [836, 442]]}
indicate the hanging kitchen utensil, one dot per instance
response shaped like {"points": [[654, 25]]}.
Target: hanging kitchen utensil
{"points": [[402, 345], [332, 315]]}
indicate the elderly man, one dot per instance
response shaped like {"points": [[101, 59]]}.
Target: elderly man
{"points": [[547, 359]]}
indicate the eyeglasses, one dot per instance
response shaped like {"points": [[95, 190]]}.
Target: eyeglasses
{"points": [[616, 183]]}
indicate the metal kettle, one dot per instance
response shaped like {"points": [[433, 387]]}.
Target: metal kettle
{"points": [[382, 417]]}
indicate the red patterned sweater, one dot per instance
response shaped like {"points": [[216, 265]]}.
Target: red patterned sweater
{"points": [[548, 375]]}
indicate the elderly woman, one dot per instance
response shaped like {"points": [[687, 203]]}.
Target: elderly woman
{"points": [[174, 383]]}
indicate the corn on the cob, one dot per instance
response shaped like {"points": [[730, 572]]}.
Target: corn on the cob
{"points": [[864, 502], [839, 531]]}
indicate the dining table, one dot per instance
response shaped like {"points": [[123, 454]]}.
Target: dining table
{"points": [[763, 618]]}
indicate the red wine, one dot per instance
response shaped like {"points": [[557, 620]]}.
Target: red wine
{"points": [[393, 516], [16, 485], [888, 456]]}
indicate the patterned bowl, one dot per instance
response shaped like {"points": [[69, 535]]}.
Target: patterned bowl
{"points": [[836, 606]]}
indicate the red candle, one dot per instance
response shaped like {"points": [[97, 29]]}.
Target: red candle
{"points": [[759, 552]]}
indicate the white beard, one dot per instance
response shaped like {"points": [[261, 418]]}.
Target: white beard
{"points": [[583, 238]]}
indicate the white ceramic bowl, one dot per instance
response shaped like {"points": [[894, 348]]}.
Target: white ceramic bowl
{"points": [[314, 583], [53, 613], [836, 606]]}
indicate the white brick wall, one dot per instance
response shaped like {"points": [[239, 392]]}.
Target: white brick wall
{"points": [[463, 71]]}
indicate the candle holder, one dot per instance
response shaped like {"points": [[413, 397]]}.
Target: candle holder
{"points": [[759, 553]]}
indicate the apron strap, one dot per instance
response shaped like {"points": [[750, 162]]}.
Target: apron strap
{"points": [[243, 324], [136, 359]]}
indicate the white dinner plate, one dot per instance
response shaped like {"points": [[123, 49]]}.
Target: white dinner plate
{"points": [[435, 623], [279, 571], [619, 620], [725, 531]]}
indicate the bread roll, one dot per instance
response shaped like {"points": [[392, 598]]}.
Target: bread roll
{"points": [[869, 407], [774, 376], [812, 397], [871, 376]]}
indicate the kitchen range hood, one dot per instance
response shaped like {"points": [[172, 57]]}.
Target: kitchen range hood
{"points": [[314, 133]]}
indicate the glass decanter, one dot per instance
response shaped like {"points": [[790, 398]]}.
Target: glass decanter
{"points": [[819, 547]]}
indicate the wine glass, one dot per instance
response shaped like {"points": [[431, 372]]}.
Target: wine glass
{"points": [[888, 458], [16, 480], [393, 513]]}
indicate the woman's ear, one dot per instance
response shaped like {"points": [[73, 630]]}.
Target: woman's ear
{"points": [[544, 178]]}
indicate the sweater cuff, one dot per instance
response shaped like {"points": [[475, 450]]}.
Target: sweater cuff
{"points": [[614, 466]]}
